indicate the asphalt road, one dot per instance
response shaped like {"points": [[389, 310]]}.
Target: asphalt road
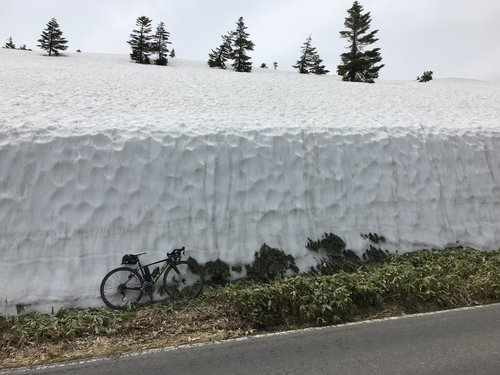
{"points": [[465, 341]]}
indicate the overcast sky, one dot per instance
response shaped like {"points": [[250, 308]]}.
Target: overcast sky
{"points": [[454, 38]]}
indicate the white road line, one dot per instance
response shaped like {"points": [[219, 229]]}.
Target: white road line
{"points": [[252, 337]]}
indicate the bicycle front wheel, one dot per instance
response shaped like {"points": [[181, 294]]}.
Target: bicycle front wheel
{"points": [[120, 287], [183, 281]]}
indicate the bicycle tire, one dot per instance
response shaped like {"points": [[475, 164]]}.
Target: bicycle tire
{"points": [[115, 291], [187, 289]]}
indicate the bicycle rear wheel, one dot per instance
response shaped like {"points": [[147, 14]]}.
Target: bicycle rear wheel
{"points": [[183, 281], [120, 287]]}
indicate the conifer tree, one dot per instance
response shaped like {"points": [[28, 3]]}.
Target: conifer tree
{"points": [[241, 44], [10, 44], [140, 41], [317, 67], [358, 64], [172, 53], [306, 59], [160, 44], [304, 62], [218, 58], [52, 40], [309, 61]]}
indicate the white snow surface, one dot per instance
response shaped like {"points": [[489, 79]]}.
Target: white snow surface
{"points": [[100, 156]]}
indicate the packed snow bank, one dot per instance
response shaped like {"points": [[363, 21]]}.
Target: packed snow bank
{"points": [[99, 157]]}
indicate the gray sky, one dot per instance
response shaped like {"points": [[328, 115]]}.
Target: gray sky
{"points": [[454, 38]]}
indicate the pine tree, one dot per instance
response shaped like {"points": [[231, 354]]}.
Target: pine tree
{"points": [[309, 61], [140, 41], [10, 44], [305, 61], [160, 44], [172, 53], [218, 58], [358, 65], [52, 40], [317, 67], [275, 65], [241, 44]]}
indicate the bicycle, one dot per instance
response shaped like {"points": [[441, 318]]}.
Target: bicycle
{"points": [[182, 280]]}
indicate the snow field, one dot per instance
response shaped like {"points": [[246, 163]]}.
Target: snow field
{"points": [[99, 156]]}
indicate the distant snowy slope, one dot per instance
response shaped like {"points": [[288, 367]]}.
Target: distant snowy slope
{"points": [[92, 93], [99, 156]]}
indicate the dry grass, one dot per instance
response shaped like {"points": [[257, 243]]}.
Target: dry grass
{"points": [[152, 327], [153, 330]]}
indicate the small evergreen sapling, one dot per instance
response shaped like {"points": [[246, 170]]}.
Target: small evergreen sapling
{"points": [[9, 44], [140, 41], [172, 53], [426, 76], [52, 40]]}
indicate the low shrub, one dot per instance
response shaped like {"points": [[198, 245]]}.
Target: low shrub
{"points": [[66, 323], [426, 76], [238, 268], [374, 254], [417, 281], [270, 263], [217, 272], [338, 258]]}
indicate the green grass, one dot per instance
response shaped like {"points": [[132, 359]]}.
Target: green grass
{"points": [[428, 279], [413, 282]]}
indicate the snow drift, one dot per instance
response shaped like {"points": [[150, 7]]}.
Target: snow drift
{"points": [[99, 157]]}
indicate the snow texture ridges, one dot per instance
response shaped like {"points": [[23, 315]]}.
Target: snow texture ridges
{"points": [[74, 200]]}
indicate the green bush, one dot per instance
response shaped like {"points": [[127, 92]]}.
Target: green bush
{"points": [[217, 272], [374, 254], [417, 281], [338, 258], [238, 268], [314, 299], [270, 263]]}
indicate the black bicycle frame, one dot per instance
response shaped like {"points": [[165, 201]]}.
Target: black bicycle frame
{"points": [[145, 272]]}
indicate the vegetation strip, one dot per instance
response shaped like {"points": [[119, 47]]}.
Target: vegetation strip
{"points": [[238, 339], [399, 284]]}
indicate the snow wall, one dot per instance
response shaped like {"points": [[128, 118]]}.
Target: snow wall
{"points": [[70, 207]]}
